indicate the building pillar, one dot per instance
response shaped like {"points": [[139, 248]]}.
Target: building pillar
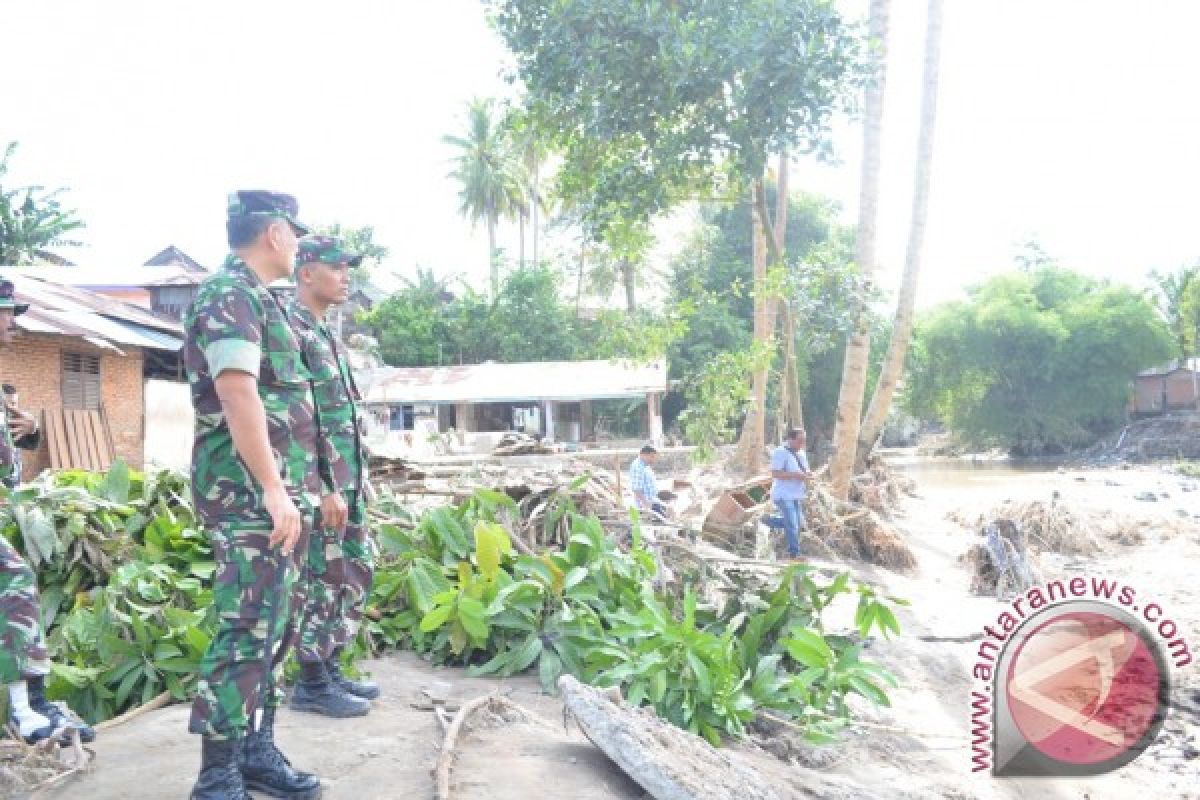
{"points": [[654, 422], [548, 419], [586, 433], [464, 417]]}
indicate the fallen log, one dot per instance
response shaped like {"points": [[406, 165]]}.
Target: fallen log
{"points": [[667, 762]]}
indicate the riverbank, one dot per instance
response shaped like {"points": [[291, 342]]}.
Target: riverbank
{"points": [[919, 748]]}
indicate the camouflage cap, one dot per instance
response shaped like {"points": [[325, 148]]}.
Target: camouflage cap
{"points": [[254, 202], [8, 300], [326, 250]]}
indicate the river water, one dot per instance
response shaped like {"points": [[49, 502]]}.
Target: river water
{"points": [[938, 472]]}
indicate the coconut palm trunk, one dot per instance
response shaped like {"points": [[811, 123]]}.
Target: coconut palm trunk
{"points": [[521, 240], [752, 442], [493, 263], [893, 363], [854, 370]]}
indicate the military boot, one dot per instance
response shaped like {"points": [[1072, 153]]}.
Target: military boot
{"points": [[317, 693], [31, 724], [367, 690], [219, 777], [266, 770], [59, 718]]}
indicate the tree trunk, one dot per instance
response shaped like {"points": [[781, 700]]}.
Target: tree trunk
{"points": [[579, 280], [535, 199], [793, 402], [521, 239], [628, 276], [789, 398], [752, 442], [893, 363], [493, 267], [858, 348]]}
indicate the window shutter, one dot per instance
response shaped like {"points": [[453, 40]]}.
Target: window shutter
{"points": [[81, 381]]}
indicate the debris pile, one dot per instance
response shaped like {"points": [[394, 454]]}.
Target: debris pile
{"points": [[25, 769], [1171, 436], [1002, 564], [834, 529], [1048, 526], [880, 487], [521, 444]]}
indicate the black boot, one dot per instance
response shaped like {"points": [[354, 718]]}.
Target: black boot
{"points": [[59, 718], [317, 693], [266, 770], [367, 690], [219, 777]]}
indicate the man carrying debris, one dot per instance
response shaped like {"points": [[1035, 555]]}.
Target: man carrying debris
{"points": [[24, 662], [789, 468], [643, 484], [339, 551], [254, 483]]}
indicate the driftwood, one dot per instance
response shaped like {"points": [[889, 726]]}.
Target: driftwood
{"points": [[160, 701], [669, 763], [442, 770]]}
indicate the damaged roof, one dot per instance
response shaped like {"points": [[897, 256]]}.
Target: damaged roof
{"points": [[102, 321], [511, 383]]}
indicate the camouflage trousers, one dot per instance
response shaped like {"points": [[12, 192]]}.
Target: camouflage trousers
{"points": [[22, 644], [341, 566], [257, 596]]}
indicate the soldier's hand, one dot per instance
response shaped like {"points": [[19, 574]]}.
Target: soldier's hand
{"points": [[333, 511], [285, 517], [21, 424]]}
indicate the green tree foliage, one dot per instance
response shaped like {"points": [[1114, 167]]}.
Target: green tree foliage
{"points": [[1036, 360], [428, 324], [32, 220], [712, 276], [648, 101], [1178, 296]]}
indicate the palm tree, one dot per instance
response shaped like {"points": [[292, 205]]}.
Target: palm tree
{"points": [[893, 362], [32, 220], [854, 370], [488, 173]]}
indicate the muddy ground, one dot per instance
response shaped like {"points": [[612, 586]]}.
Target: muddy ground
{"points": [[919, 748]]}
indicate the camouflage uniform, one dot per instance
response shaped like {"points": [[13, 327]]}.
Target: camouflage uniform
{"points": [[341, 562], [22, 643], [235, 322]]}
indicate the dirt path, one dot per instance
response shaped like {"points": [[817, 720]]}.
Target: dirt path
{"points": [[390, 753]]}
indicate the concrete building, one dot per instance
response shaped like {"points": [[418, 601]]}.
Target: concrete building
{"points": [[578, 402]]}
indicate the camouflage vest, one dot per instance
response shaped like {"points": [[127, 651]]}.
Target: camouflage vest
{"points": [[234, 306]]}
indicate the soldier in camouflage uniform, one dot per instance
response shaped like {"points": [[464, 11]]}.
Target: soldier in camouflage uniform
{"points": [[340, 558], [24, 662], [255, 485]]}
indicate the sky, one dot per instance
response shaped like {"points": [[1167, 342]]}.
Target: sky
{"points": [[1067, 121]]}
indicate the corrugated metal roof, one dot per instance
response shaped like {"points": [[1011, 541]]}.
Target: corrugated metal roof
{"points": [[104, 321], [1192, 364], [91, 276], [508, 383]]}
